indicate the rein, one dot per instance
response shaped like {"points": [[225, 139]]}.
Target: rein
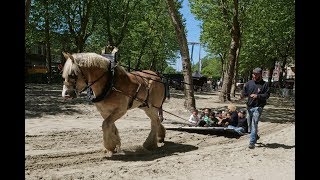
{"points": [[88, 86], [106, 90]]}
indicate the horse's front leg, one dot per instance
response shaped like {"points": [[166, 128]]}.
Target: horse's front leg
{"points": [[111, 138]]}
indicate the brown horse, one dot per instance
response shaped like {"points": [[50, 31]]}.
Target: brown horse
{"points": [[114, 91]]}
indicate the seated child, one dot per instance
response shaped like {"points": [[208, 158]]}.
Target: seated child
{"points": [[194, 118], [233, 115], [226, 121], [214, 119], [205, 121], [219, 116], [242, 126]]}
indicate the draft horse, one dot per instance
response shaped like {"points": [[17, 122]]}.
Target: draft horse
{"points": [[114, 91]]}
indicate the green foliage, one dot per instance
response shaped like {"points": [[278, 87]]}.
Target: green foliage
{"points": [[169, 70], [267, 30], [141, 29], [215, 31], [211, 67], [269, 33]]}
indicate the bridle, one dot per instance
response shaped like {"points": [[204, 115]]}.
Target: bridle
{"points": [[106, 90]]}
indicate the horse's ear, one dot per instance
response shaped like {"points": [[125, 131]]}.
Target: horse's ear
{"points": [[71, 57], [67, 55], [115, 49]]}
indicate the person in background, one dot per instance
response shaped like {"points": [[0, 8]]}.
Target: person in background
{"points": [[242, 126], [233, 120], [257, 92], [205, 120], [214, 119], [220, 116], [226, 120], [194, 118]]}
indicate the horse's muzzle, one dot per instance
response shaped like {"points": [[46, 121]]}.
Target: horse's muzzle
{"points": [[69, 94]]}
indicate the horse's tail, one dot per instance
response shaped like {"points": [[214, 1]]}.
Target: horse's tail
{"points": [[166, 96], [166, 90]]}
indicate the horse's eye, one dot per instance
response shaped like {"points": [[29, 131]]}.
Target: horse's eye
{"points": [[72, 76]]}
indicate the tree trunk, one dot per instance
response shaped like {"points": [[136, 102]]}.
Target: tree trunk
{"points": [[235, 77], [234, 46], [282, 74], [27, 13], [222, 57], [81, 33], [184, 52], [47, 35], [271, 71]]}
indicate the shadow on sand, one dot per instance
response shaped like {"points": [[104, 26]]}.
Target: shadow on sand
{"points": [[275, 145], [46, 99], [168, 149]]}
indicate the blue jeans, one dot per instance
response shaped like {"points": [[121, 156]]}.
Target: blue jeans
{"points": [[253, 117], [239, 130]]}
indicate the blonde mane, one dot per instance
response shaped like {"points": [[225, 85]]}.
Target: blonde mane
{"points": [[84, 60]]}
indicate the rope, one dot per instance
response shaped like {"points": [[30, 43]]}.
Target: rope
{"points": [[174, 115]]}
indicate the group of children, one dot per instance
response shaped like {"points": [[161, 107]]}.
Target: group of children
{"points": [[231, 118]]}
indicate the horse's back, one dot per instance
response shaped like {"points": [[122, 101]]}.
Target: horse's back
{"points": [[155, 85]]}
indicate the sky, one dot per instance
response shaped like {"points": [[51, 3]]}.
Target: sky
{"points": [[193, 35]]}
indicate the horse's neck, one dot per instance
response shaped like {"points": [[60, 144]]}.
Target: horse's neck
{"points": [[97, 79], [118, 76]]}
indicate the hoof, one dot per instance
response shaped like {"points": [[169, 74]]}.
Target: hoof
{"points": [[161, 140], [150, 146], [108, 153]]}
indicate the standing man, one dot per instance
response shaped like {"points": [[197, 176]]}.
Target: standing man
{"points": [[257, 91]]}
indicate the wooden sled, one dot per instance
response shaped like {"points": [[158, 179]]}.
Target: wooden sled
{"points": [[207, 130]]}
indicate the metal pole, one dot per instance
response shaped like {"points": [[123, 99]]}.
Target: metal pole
{"points": [[192, 54], [200, 64]]}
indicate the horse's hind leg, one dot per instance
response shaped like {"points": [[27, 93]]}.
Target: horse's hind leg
{"points": [[161, 133], [111, 138], [157, 133], [160, 113]]}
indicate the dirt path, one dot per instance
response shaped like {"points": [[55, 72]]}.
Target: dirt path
{"points": [[63, 140]]}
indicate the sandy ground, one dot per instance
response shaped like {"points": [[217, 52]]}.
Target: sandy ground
{"points": [[63, 140]]}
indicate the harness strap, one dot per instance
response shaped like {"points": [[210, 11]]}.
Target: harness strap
{"points": [[137, 99], [106, 90], [134, 97]]}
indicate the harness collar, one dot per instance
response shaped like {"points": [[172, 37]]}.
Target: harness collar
{"points": [[107, 88]]}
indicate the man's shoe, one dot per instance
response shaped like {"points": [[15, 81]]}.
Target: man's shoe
{"points": [[258, 137], [251, 146]]}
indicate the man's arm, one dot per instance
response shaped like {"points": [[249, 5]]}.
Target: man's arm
{"points": [[244, 92], [265, 92]]}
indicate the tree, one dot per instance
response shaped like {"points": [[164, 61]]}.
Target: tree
{"points": [[225, 25], [211, 67], [47, 38], [79, 20], [169, 70], [234, 47], [27, 13], [269, 34], [184, 51], [141, 31]]}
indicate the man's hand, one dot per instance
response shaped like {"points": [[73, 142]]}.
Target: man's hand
{"points": [[254, 96]]}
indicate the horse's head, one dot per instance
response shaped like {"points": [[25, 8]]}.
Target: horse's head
{"points": [[73, 78]]}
